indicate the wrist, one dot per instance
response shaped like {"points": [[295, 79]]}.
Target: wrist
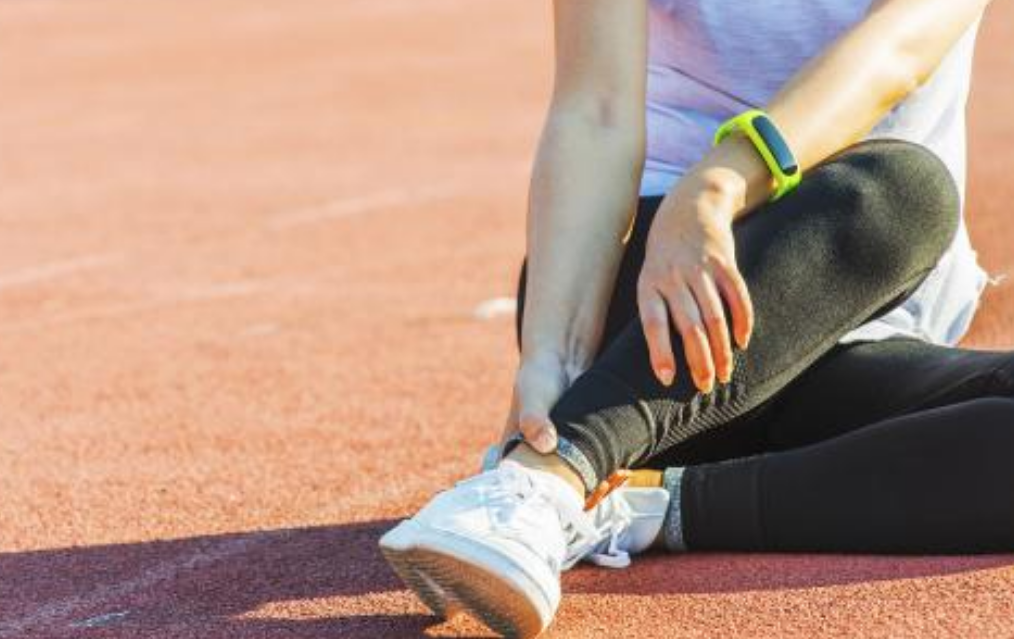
{"points": [[722, 184], [733, 175], [711, 194]]}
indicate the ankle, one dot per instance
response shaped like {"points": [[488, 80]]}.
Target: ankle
{"points": [[528, 457]]}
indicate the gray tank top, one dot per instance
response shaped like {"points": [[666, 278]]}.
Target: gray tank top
{"points": [[709, 61]]}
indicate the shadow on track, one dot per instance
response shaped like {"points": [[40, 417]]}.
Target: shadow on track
{"points": [[211, 587], [331, 581]]}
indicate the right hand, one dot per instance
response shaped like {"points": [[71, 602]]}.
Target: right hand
{"points": [[689, 271], [540, 381]]}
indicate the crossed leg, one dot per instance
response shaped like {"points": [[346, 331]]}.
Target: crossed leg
{"points": [[861, 232]]}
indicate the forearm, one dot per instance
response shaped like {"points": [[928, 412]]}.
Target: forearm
{"points": [[841, 95], [583, 194]]}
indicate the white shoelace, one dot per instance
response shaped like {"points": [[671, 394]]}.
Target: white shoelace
{"points": [[618, 517], [616, 514], [516, 496]]}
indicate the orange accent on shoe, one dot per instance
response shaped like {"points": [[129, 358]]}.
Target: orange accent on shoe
{"points": [[608, 485]]}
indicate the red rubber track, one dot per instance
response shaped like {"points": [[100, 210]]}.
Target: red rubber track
{"points": [[241, 247]]}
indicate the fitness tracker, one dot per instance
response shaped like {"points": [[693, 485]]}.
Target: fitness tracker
{"points": [[773, 149]]}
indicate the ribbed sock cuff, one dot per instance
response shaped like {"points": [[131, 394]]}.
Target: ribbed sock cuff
{"points": [[577, 460], [672, 527]]}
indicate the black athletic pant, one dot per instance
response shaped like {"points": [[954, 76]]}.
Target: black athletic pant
{"points": [[889, 446]]}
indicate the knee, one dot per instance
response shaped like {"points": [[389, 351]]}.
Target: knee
{"points": [[902, 203]]}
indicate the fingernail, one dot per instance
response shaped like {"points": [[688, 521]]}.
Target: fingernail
{"points": [[666, 375], [726, 375], [707, 386], [546, 443]]}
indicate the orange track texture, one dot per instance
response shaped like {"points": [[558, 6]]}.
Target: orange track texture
{"points": [[242, 244]]}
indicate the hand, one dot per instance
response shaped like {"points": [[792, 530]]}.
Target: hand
{"points": [[539, 383], [689, 269]]}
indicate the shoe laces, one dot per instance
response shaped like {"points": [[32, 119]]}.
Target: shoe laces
{"points": [[613, 511], [516, 502], [616, 517]]}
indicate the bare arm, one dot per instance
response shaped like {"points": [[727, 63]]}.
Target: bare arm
{"points": [[583, 193], [828, 105], [841, 95], [584, 185]]}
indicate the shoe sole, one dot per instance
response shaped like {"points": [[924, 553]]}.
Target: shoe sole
{"points": [[451, 573]]}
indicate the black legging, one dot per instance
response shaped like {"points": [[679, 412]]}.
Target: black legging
{"points": [[857, 237], [896, 446]]}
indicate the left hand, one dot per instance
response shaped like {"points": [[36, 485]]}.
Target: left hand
{"points": [[540, 381]]}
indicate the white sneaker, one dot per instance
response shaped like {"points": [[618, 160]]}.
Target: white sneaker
{"points": [[493, 545], [626, 522]]}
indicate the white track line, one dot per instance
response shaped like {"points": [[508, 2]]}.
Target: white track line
{"points": [[223, 291], [391, 198], [496, 307], [61, 612], [52, 270], [340, 208]]}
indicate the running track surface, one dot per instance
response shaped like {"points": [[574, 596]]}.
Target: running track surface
{"points": [[242, 244]]}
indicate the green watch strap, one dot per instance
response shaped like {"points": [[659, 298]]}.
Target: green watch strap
{"points": [[767, 139]]}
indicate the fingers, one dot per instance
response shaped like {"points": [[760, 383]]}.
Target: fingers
{"points": [[655, 323], [536, 392], [696, 308], [690, 275], [737, 296], [687, 317], [539, 432], [712, 315]]}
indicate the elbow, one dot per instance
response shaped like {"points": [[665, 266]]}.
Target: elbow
{"points": [[615, 113], [915, 40], [611, 123], [606, 111]]}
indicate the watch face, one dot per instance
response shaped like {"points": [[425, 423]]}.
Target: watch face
{"points": [[776, 144]]}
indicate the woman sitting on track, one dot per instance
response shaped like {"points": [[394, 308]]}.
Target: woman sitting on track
{"points": [[776, 326]]}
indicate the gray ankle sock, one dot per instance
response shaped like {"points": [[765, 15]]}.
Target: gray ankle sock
{"points": [[672, 527]]}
